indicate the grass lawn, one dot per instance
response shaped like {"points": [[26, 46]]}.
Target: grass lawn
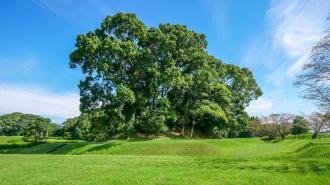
{"points": [[169, 161], [11, 139]]}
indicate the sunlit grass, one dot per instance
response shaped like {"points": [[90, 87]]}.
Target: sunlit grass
{"points": [[170, 161]]}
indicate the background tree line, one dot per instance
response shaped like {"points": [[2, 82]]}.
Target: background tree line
{"points": [[37, 129], [34, 128], [281, 125]]}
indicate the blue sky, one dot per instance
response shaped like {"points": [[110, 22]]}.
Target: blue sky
{"points": [[272, 38]]}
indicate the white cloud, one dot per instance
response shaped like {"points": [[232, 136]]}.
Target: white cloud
{"points": [[258, 54], [279, 101], [296, 67], [38, 101], [278, 54], [296, 26], [261, 106]]}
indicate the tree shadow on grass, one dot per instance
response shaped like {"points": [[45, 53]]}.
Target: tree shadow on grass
{"points": [[56, 148], [68, 148], [45, 148], [103, 146]]}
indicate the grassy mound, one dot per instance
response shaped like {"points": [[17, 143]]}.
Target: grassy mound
{"points": [[151, 147], [312, 150], [169, 161], [16, 144], [11, 140], [7, 142], [252, 147]]}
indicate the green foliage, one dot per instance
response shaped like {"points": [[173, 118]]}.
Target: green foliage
{"points": [[37, 129], [152, 121], [12, 124], [141, 79], [219, 133], [32, 127], [299, 126], [77, 128]]}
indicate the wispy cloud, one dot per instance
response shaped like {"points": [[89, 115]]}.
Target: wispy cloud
{"points": [[296, 67], [10, 66], [76, 10], [219, 16], [294, 27], [35, 100], [279, 101]]}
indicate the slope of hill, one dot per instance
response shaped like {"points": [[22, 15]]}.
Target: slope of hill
{"points": [[252, 147], [169, 161]]}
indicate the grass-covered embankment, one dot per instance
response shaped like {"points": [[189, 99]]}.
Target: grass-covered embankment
{"points": [[170, 161]]}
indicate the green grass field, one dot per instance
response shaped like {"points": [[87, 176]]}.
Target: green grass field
{"points": [[168, 161]]}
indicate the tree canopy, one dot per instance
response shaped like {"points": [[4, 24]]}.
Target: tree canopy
{"points": [[77, 128], [149, 80], [32, 127], [299, 126], [12, 124]]}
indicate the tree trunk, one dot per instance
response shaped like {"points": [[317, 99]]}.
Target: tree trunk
{"points": [[36, 137], [314, 136], [192, 129], [130, 120], [185, 117], [283, 136], [182, 128], [153, 101]]}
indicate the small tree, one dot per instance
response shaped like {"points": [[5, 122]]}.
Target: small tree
{"points": [[255, 126], [277, 125], [269, 126], [299, 126], [284, 124], [269, 130], [327, 119], [38, 129], [317, 122]]}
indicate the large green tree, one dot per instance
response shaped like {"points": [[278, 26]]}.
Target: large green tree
{"points": [[148, 79]]}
